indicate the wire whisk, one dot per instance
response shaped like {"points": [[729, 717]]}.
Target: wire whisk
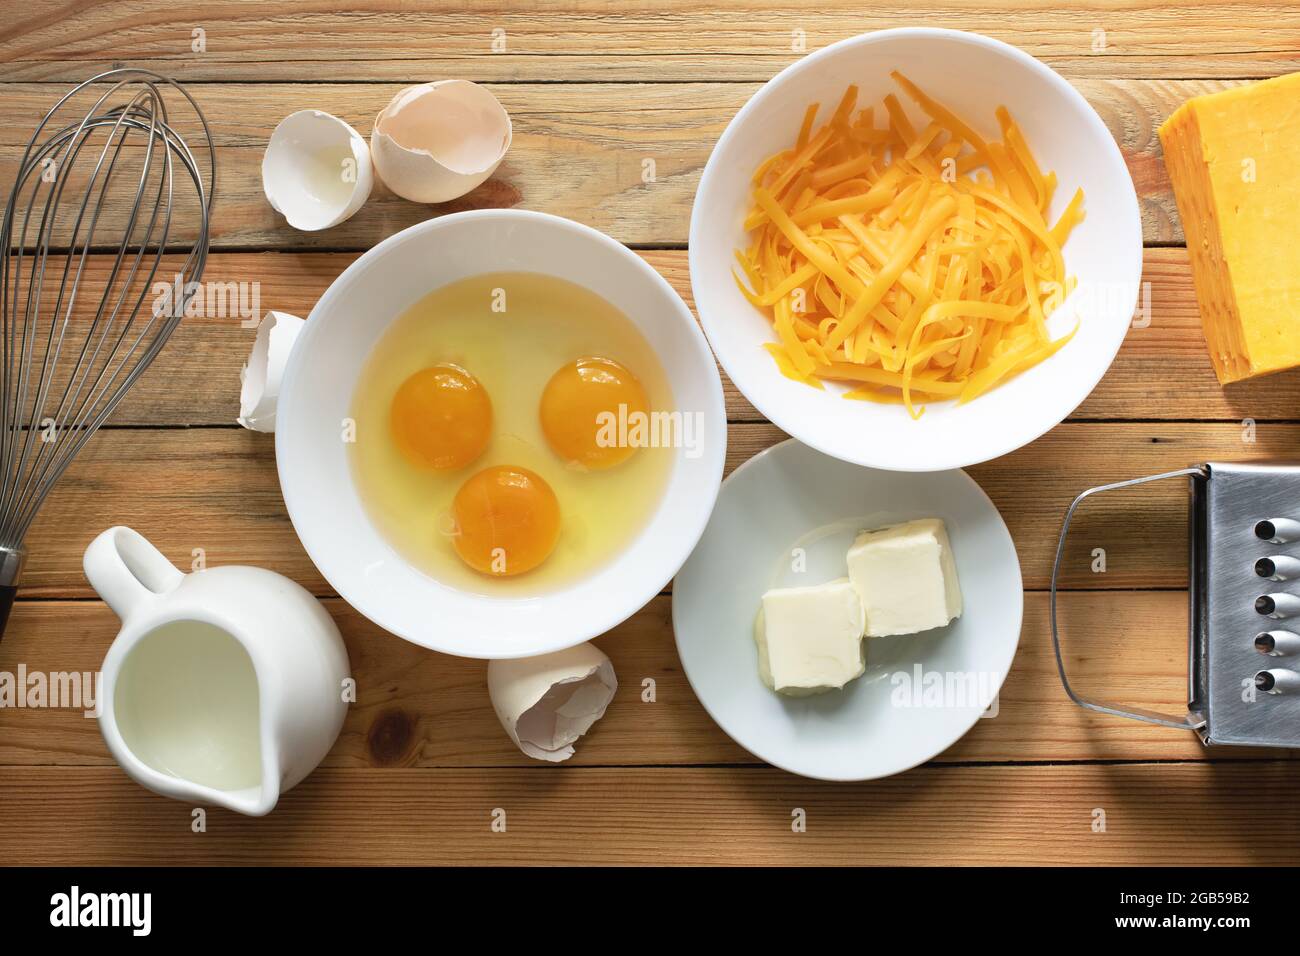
{"points": [[105, 238]]}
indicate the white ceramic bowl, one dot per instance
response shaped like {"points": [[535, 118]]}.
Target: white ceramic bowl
{"points": [[316, 396], [885, 721], [973, 75]]}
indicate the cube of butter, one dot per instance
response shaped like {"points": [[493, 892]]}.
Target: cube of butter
{"points": [[810, 638], [906, 577], [1234, 160]]}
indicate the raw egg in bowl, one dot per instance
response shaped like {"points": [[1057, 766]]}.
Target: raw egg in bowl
{"points": [[500, 434]]}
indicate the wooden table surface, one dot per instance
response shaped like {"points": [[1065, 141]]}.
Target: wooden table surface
{"points": [[422, 764]]}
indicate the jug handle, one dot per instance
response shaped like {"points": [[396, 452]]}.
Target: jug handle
{"points": [[127, 571]]}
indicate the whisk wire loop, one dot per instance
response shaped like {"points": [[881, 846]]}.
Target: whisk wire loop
{"points": [[102, 201]]}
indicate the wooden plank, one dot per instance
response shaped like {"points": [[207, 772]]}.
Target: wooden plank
{"points": [[647, 40], [1162, 372], [217, 490], [595, 135], [422, 763], [1154, 814], [416, 708]]}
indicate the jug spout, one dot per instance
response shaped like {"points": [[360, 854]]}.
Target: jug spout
{"points": [[251, 801], [254, 801]]}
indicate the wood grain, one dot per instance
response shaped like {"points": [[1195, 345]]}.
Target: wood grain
{"points": [[578, 151], [1154, 814], [419, 709], [217, 490], [422, 763], [647, 41]]}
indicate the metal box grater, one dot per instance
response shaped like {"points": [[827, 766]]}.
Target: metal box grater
{"points": [[1243, 645]]}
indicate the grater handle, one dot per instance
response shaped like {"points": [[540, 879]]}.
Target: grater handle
{"points": [[1185, 722]]}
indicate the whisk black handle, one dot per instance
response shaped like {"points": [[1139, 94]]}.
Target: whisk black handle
{"points": [[7, 593], [11, 568]]}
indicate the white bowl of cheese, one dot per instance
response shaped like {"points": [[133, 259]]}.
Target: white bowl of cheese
{"points": [[972, 75]]}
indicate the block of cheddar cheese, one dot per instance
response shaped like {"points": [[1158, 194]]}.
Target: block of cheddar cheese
{"points": [[1234, 160]]}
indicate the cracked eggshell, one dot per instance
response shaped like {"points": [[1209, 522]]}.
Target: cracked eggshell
{"points": [[316, 170], [546, 703], [259, 379], [435, 142]]}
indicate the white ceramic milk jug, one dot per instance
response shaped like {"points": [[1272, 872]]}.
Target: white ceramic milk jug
{"points": [[225, 686]]}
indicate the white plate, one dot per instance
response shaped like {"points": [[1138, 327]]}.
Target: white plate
{"points": [[882, 723], [971, 74]]}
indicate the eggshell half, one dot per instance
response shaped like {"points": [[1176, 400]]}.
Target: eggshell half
{"points": [[435, 142], [316, 170], [260, 377], [546, 703]]}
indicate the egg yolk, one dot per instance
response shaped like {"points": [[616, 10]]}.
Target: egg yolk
{"points": [[441, 418], [507, 521], [582, 408]]}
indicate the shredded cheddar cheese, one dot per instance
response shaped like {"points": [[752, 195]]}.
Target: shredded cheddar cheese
{"points": [[912, 265]]}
